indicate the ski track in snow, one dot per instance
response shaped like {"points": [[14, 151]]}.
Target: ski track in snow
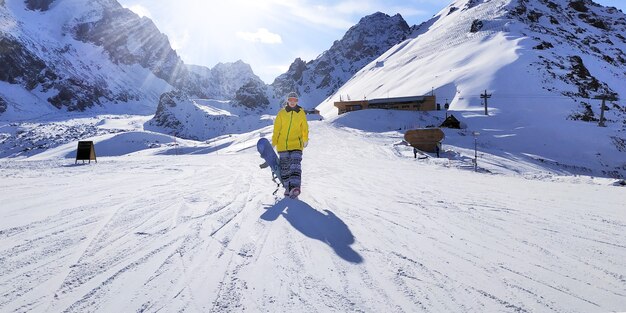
{"points": [[372, 232]]}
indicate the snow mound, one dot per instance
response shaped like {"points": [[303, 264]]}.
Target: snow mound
{"points": [[111, 145]]}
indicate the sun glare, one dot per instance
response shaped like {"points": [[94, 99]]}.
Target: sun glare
{"points": [[267, 34], [140, 10]]}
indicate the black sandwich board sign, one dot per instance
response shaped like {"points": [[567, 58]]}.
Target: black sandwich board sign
{"points": [[85, 151]]}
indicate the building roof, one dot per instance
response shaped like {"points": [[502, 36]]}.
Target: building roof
{"points": [[397, 99]]}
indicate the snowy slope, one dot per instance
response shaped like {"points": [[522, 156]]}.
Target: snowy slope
{"points": [[374, 231], [541, 61]]}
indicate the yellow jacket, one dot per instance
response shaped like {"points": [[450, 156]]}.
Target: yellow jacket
{"points": [[291, 131]]}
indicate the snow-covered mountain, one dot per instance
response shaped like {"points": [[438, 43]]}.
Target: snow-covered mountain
{"points": [[315, 80], [237, 104], [542, 62], [76, 54], [559, 48], [223, 81], [202, 119]]}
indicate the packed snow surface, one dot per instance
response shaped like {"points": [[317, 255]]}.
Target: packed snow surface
{"points": [[194, 227]]}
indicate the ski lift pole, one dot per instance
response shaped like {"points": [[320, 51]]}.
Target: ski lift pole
{"points": [[475, 150], [485, 96], [604, 98], [601, 124], [175, 145], [174, 137]]}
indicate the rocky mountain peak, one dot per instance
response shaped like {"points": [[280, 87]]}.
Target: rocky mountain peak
{"points": [[295, 71], [153, 51], [237, 66], [373, 31], [378, 21], [41, 5], [223, 81], [593, 31], [3, 105], [362, 43]]}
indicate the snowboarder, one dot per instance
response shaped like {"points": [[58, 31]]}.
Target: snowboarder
{"points": [[290, 137]]}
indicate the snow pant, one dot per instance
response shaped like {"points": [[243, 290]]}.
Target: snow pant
{"points": [[290, 168]]}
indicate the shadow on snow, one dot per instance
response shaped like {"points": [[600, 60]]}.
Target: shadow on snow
{"points": [[327, 228], [193, 150]]}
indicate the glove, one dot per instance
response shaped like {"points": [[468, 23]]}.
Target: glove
{"points": [[306, 143]]}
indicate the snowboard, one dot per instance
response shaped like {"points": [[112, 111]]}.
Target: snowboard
{"points": [[271, 159]]}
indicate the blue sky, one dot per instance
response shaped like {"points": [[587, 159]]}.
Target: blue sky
{"points": [[270, 34]]}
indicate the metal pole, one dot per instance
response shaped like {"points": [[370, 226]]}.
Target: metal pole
{"points": [[601, 124], [486, 112], [604, 98], [475, 154], [175, 143], [485, 96], [476, 151]]}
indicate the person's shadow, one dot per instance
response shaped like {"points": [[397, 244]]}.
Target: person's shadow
{"points": [[327, 228]]}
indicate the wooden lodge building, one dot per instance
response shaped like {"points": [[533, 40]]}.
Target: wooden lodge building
{"points": [[415, 103]]}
